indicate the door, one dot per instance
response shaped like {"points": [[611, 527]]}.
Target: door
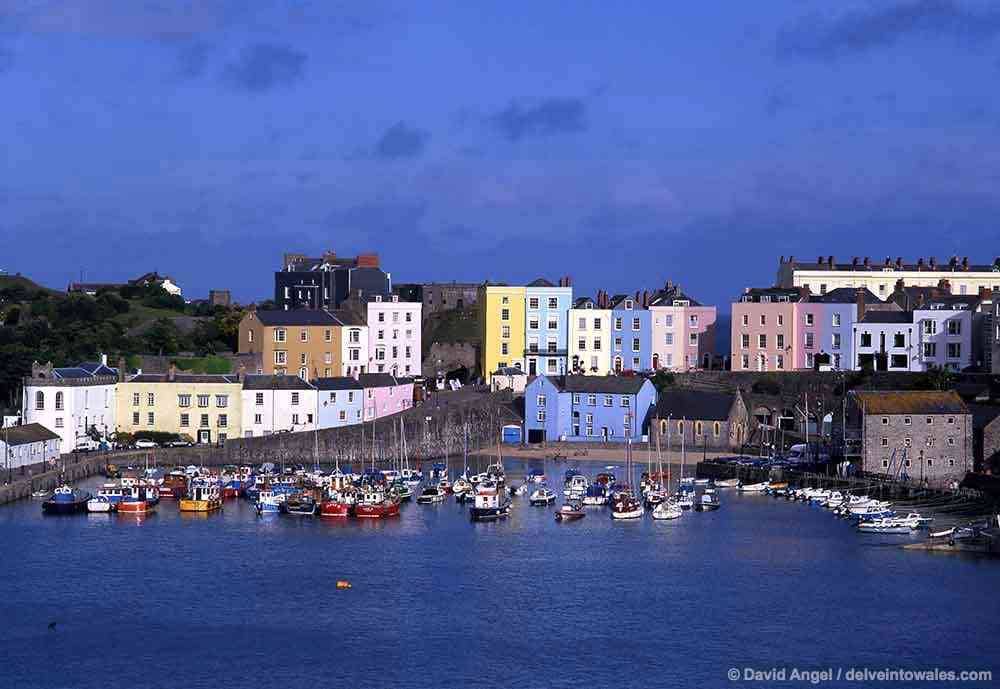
{"points": [[532, 367], [656, 362], [204, 436]]}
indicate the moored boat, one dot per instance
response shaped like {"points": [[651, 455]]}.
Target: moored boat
{"points": [[300, 506], [99, 504], [202, 497], [667, 510], [431, 495], [374, 504], [570, 512], [706, 502], [542, 496], [66, 500]]}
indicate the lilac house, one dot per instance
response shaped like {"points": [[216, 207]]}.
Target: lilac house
{"points": [[588, 408], [384, 394]]}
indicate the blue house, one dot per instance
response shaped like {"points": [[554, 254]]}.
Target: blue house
{"points": [[631, 335], [546, 330], [339, 401], [588, 408]]}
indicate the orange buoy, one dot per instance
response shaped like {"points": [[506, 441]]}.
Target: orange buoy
{"points": [[343, 584]]}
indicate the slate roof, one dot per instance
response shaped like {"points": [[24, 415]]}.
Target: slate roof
{"points": [[694, 404], [897, 402], [266, 382], [28, 433], [87, 369], [307, 317], [338, 383], [983, 414], [540, 282], [875, 317], [183, 378], [667, 297], [614, 385], [581, 303], [876, 266], [774, 294], [844, 295], [377, 380], [509, 371]]}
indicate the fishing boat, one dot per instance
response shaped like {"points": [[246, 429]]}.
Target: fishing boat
{"points": [[570, 512], [753, 487], [99, 504], [728, 483], [41, 495], [489, 505], [203, 496], [334, 508], [460, 487], [667, 510], [142, 500], [432, 495], [375, 504], [66, 500], [268, 502], [114, 491], [535, 476], [576, 487], [626, 506], [542, 496], [707, 502], [300, 506]]}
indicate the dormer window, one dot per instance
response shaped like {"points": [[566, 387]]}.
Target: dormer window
{"points": [[628, 304], [378, 297]]}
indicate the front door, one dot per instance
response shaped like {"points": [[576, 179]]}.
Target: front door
{"points": [[656, 362], [204, 436], [532, 367]]}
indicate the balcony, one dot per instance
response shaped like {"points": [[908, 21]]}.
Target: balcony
{"points": [[545, 352]]}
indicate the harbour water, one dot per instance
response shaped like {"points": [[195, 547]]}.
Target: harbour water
{"points": [[233, 599]]}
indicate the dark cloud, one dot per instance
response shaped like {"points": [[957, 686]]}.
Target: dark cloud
{"points": [[264, 66], [401, 141], [551, 116], [860, 31], [192, 60]]}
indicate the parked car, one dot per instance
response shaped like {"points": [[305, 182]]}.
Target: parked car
{"points": [[179, 442], [86, 444], [143, 444]]}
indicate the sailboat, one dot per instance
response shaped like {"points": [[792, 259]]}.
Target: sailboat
{"points": [[491, 501], [462, 486], [685, 499], [626, 505]]}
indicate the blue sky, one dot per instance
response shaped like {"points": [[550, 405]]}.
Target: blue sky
{"points": [[621, 143]]}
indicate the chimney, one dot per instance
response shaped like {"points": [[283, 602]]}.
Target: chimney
{"points": [[888, 261], [830, 262], [860, 300], [367, 260], [329, 256], [953, 261], [920, 263], [820, 260], [645, 298], [121, 369], [791, 260], [569, 281], [855, 261], [933, 262], [104, 359], [868, 262], [965, 263], [899, 263], [172, 372]]}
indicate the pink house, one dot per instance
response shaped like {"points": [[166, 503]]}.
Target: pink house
{"points": [[683, 331], [394, 335], [385, 395], [764, 335]]}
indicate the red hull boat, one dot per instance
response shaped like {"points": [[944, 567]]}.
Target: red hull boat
{"points": [[377, 510], [334, 508]]}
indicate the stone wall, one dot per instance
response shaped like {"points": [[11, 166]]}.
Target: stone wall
{"points": [[452, 355], [936, 462]]}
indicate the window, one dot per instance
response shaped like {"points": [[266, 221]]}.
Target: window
{"points": [[540, 400], [350, 396], [597, 324], [930, 327], [553, 303], [222, 401], [954, 350], [183, 400], [59, 401], [280, 357], [203, 422], [302, 358], [906, 442], [762, 341], [716, 429], [763, 319], [581, 323], [59, 422], [809, 360], [954, 327], [540, 416], [592, 401], [930, 350], [693, 339], [746, 319], [951, 420], [151, 399], [327, 336], [906, 421], [279, 335], [303, 336], [504, 349], [836, 341], [408, 317], [343, 415], [745, 361], [899, 340], [135, 399], [625, 400], [609, 401], [781, 319], [135, 418], [698, 428], [223, 420], [618, 323], [866, 339], [505, 314], [295, 399], [810, 340], [186, 420], [779, 362], [150, 418], [810, 318], [203, 401], [668, 339], [635, 324], [553, 323], [836, 320], [532, 324], [582, 344], [505, 331], [668, 320], [744, 341], [885, 420], [249, 335], [597, 345], [295, 419], [576, 398], [533, 303], [885, 442], [635, 344]]}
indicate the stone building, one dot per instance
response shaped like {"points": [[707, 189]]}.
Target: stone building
{"points": [[916, 435], [704, 420], [443, 296], [986, 437]]}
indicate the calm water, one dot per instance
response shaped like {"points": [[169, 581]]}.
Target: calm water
{"points": [[236, 600]]}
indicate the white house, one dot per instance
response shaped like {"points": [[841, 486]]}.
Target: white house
{"points": [[394, 335], [938, 336], [509, 378], [277, 404], [28, 444], [72, 401]]}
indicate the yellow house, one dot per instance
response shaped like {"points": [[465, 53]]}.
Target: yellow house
{"points": [[207, 408], [589, 338], [501, 327]]}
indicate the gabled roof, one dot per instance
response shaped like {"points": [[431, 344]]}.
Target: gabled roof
{"points": [[273, 317], [667, 297], [582, 302], [694, 404], [265, 382], [613, 385], [338, 383], [183, 378], [540, 282], [897, 402], [28, 433], [88, 369]]}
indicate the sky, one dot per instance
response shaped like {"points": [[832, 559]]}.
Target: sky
{"points": [[623, 144]]}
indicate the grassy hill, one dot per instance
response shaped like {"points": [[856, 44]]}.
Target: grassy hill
{"points": [[455, 325]]}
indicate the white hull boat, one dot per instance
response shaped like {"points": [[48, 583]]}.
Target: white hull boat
{"points": [[667, 510], [99, 505], [753, 488], [728, 483], [542, 496]]}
